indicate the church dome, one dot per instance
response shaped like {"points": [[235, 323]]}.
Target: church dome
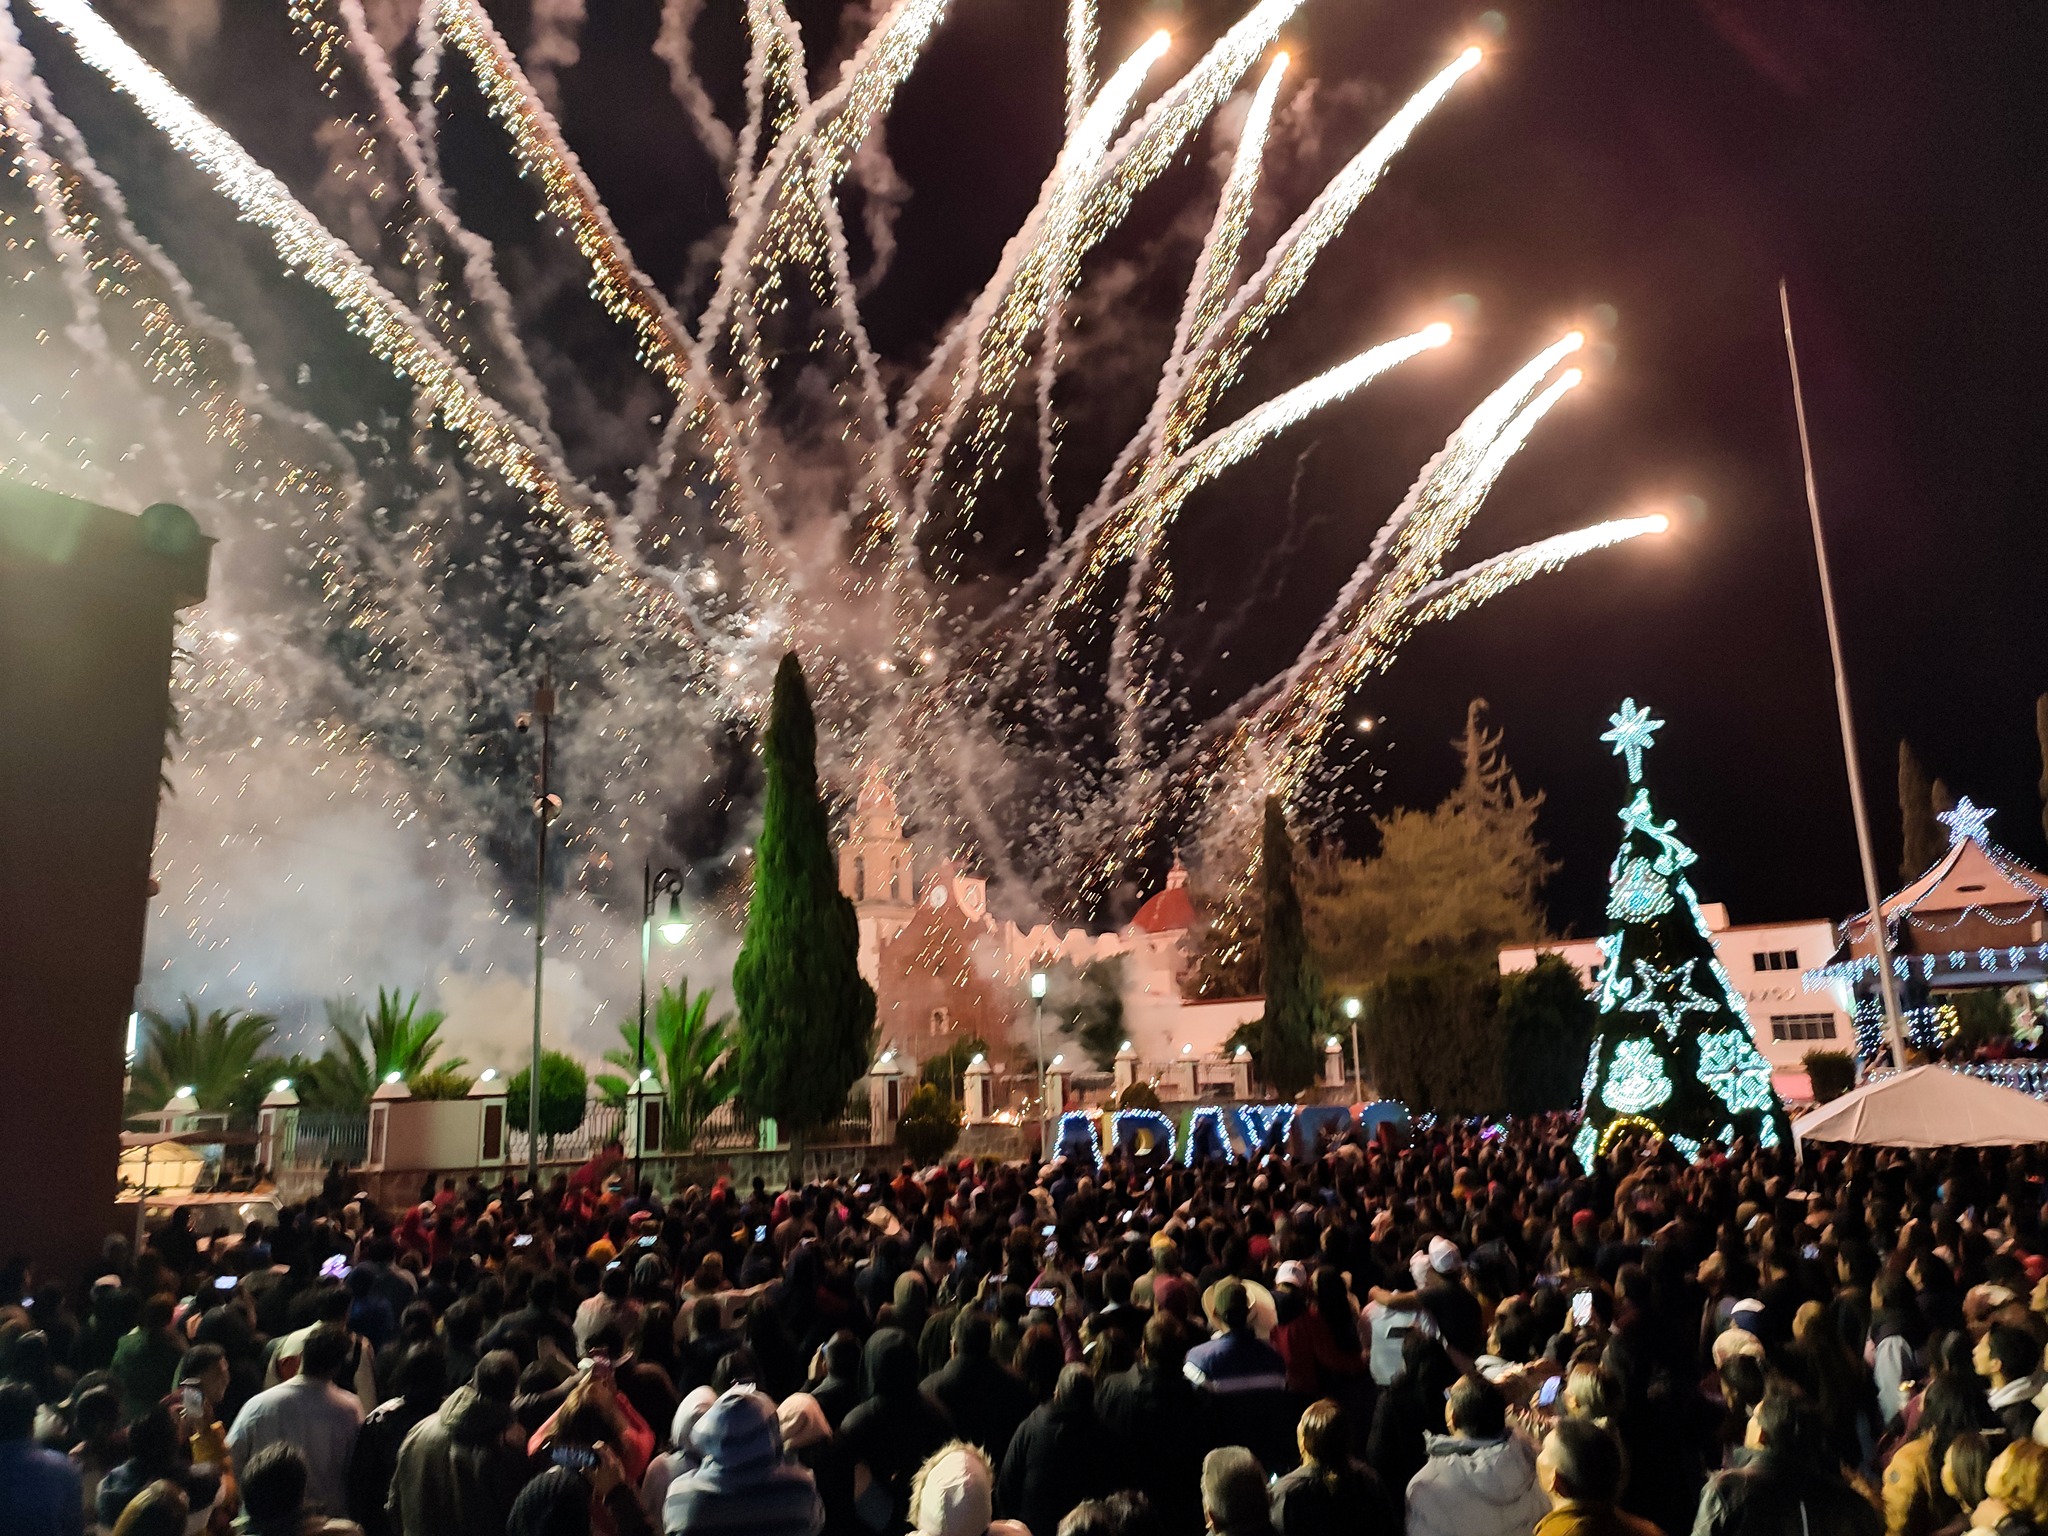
{"points": [[1171, 910]]}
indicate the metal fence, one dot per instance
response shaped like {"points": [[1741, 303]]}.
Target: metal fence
{"points": [[601, 1123], [329, 1136]]}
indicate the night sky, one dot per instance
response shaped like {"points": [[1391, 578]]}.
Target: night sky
{"points": [[1645, 168], [1668, 160]]}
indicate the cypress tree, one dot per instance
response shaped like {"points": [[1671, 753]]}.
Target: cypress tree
{"points": [[1922, 838], [807, 1015], [2041, 733], [1287, 1029]]}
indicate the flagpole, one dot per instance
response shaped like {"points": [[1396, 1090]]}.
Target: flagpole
{"points": [[1881, 936]]}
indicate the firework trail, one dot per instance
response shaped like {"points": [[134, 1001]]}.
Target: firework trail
{"points": [[673, 47], [786, 496]]}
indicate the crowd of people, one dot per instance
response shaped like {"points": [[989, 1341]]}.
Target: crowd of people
{"points": [[1454, 1333]]}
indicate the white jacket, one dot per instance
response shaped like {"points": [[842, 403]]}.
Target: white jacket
{"points": [[1476, 1488]]}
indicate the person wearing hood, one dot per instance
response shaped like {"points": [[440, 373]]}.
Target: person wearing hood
{"points": [[740, 1483], [665, 1469], [461, 1468], [986, 1401], [1480, 1480], [1058, 1456], [953, 1494], [893, 1431]]}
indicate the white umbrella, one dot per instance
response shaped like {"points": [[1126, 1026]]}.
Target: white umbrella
{"points": [[1928, 1107]]}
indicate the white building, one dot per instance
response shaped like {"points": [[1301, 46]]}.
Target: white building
{"points": [[1766, 961]]}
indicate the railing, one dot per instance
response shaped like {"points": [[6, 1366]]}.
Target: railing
{"points": [[601, 1123], [330, 1136]]}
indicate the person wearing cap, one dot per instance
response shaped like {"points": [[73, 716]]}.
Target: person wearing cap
{"points": [[1247, 1377], [1439, 1274], [1317, 1364], [741, 1482]]}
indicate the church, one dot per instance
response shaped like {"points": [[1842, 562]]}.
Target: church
{"points": [[945, 969]]}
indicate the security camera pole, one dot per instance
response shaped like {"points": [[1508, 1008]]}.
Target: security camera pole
{"points": [[543, 713]]}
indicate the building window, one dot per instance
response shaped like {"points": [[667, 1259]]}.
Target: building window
{"points": [[1776, 959], [1802, 1026]]}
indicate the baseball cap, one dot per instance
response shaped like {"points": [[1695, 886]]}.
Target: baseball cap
{"points": [[1292, 1272], [1444, 1257]]}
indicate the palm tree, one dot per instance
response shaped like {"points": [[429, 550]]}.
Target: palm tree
{"points": [[689, 1054], [362, 1051], [221, 1056]]}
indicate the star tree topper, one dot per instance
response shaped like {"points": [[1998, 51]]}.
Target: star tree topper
{"points": [[1632, 736], [1966, 820]]}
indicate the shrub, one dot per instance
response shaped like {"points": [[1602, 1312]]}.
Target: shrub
{"points": [[1832, 1073], [928, 1126], [563, 1086]]}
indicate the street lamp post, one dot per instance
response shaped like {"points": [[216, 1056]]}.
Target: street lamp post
{"points": [[544, 803], [652, 887], [1352, 1009], [1038, 1030]]}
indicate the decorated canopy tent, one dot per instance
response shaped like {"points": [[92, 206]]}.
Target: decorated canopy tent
{"points": [[1978, 918], [1928, 1107]]}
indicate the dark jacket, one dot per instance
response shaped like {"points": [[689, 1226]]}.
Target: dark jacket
{"points": [[375, 1461], [458, 1470], [1773, 1495], [1056, 1459], [898, 1426], [1345, 1501], [986, 1401], [1158, 1428]]}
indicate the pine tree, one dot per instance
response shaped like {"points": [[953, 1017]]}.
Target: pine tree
{"points": [[1450, 884], [807, 1015], [1675, 1052], [1287, 1030], [1921, 836]]}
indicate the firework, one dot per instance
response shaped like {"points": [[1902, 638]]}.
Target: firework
{"points": [[662, 632]]}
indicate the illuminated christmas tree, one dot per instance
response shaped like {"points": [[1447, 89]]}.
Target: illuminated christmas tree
{"points": [[1674, 1053]]}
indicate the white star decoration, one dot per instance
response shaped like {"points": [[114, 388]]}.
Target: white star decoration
{"points": [[1633, 729], [1670, 1013], [1966, 820]]}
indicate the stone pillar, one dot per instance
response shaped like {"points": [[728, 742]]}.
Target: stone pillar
{"points": [[646, 1107], [1058, 1075], [1241, 1073], [977, 1091], [1333, 1063], [277, 1127], [888, 1090], [492, 1133], [1125, 1067], [391, 1091]]}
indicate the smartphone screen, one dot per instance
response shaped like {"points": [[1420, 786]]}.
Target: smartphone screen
{"points": [[576, 1458], [1548, 1395], [1582, 1309], [761, 1234], [1042, 1298]]}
